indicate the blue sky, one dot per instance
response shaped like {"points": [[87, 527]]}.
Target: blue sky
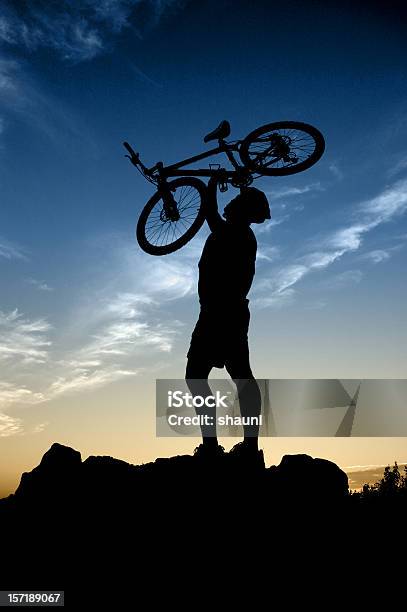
{"points": [[82, 308]]}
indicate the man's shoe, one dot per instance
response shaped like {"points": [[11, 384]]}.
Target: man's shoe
{"points": [[245, 456], [208, 452]]}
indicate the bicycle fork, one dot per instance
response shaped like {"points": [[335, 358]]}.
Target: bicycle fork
{"points": [[170, 210]]}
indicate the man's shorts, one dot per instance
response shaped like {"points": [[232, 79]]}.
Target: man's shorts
{"points": [[221, 334]]}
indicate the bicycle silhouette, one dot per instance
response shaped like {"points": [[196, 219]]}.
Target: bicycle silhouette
{"points": [[174, 214]]}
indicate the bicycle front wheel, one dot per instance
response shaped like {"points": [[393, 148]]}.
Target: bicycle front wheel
{"points": [[156, 233], [282, 148]]}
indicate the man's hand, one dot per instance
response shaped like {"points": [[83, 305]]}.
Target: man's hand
{"points": [[210, 206]]}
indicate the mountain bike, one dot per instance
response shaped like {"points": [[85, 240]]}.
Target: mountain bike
{"points": [[174, 214]]}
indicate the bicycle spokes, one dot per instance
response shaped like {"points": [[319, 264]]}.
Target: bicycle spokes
{"points": [[172, 216], [281, 148]]}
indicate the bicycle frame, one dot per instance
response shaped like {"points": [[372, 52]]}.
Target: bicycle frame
{"points": [[175, 169], [161, 172]]}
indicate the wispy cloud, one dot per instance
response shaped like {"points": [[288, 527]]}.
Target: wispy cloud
{"points": [[123, 334], [11, 393], [22, 97], [344, 279], [287, 192], [7, 82], [398, 167], [278, 198], [137, 317], [125, 326], [377, 256], [336, 171], [114, 334], [267, 297], [10, 426], [142, 76], [107, 352], [77, 31], [363, 468], [265, 228], [22, 339], [40, 285], [171, 279], [40, 427], [10, 250], [267, 253], [388, 205], [82, 379]]}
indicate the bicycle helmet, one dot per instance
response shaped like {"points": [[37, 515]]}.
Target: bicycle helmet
{"points": [[258, 209]]}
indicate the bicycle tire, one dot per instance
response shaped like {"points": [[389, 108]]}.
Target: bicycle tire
{"points": [[316, 136], [165, 249]]}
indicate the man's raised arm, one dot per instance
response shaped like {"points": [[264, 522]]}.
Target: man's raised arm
{"points": [[210, 207]]}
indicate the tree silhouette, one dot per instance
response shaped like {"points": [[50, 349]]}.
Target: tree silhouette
{"points": [[391, 488]]}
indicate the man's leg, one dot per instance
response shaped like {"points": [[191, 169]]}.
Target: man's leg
{"points": [[249, 395], [196, 377]]}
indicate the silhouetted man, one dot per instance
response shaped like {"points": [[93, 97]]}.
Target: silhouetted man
{"points": [[220, 337]]}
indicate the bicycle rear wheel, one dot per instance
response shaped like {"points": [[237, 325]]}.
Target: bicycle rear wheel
{"points": [[282, 148], [156, 233]]}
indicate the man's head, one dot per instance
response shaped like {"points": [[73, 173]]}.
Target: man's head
{"points": [[250, 206]]}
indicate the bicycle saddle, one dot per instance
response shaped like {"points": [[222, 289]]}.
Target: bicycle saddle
{"points": [[222, 131]]}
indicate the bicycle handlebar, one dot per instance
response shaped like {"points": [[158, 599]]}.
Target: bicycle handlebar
{"points": [[130, 150], [135, 159]]}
